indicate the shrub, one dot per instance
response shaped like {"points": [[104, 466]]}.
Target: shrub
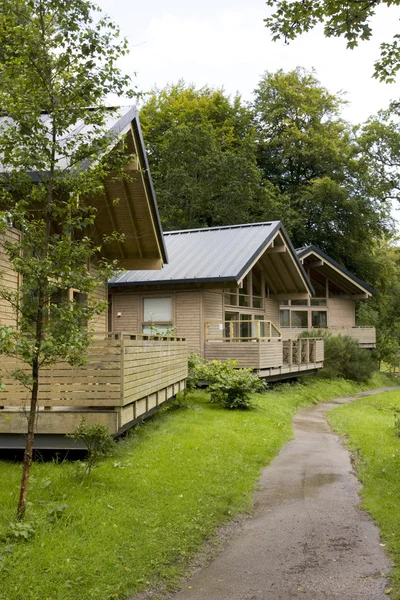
{"points": [[344, 358], [98, 442], [229, 386]]}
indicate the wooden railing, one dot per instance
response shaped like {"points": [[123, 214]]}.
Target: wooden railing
{"points": [[125, 377], [366, 336], [303, 351], [240, 331]]}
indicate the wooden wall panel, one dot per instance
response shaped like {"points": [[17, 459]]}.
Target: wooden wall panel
{"points": [[341, 312], [9, 279], [129, 306], [272, 311], [188, 323]]}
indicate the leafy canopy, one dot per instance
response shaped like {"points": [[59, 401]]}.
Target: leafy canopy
{"points": [[350, 19], [202, 151]]}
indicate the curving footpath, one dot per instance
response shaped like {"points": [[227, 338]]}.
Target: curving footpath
{"points": [[306, 537]]}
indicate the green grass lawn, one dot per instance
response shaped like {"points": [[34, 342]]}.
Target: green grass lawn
{"points": [[369, 428], [140, 515]]}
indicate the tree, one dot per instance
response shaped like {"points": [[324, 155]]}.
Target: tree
{"points": [[331, 190], [57, 65], [349, 19], [202, 152], [383, 309]]}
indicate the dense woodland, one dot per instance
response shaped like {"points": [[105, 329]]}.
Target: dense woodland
{"points": [[288, 155]]}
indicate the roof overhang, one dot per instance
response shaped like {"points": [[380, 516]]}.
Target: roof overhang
{"points": [[313, 258], [283, 271], [128, 204]]}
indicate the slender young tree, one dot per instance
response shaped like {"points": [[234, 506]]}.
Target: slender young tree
{"points": [[57, 66]]}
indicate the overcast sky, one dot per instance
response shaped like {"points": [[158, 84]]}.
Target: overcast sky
{"points": [[223, 43]]}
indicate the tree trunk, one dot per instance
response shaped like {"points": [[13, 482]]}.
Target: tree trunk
{"points": [[30, 436], [23, 493]]}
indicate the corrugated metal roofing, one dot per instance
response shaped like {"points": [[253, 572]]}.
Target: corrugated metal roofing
{"points": [[117, 122], [311, 248], [213, 254]]}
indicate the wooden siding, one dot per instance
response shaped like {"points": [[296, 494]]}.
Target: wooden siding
{"points": [[99, 323], [272, 311], [122, 380], [188, 318], [270, 353], [341, 312], [319, 351], [9, 279], [128, 305], [246, 353], [213, 310]]}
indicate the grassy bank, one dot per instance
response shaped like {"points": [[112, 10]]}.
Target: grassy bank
{"points": [[369, 428], [141, 514]]}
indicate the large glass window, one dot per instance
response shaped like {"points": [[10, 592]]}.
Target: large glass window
{"points": [[299, 318], [285, 318], [319, 318]]}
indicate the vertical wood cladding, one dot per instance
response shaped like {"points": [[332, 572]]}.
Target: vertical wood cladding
{"points": [[188, 318], [128, 306], [9, 278], [341, 312]]}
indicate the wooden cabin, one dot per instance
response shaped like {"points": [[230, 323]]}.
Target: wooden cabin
{"points": [[333, 306], [127, 375], [222, 291]]}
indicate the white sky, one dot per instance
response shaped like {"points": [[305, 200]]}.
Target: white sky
{"points": [[223, 43]]}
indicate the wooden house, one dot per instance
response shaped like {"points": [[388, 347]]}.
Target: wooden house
{"points": [[127, 375], [222, 291], [333, 306]]}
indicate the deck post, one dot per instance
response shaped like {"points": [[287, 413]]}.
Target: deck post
{"points": [[290, 352]]}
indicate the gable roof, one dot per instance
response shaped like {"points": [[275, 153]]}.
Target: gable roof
{"points": [[215, 254], [136, 212], [307, 251]]}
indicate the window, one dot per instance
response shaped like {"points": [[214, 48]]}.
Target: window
{"points": [[299, 318], [318, 301], [299, 302], [285, 318], [157, 315], [319, 318]]}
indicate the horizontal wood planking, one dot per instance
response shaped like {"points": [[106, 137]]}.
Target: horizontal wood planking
{"points": [[129, 372], [56, 422], [150, 366], [9, 279], [271, 354], [319, 350]]}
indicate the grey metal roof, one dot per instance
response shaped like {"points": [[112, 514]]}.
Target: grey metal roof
{"points": [[311, 248], [117, 122], [212, 254]]}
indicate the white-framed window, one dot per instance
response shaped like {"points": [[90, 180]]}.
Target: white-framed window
{"points": [[157, 315]]}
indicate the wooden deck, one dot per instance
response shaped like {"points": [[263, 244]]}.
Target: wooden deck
{"points": [[126, 377], [272, 357], [366, 336]]}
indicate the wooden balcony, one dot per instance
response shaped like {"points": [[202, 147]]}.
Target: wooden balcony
{"points": [[127, 377], [270, 355], [366, 336]]}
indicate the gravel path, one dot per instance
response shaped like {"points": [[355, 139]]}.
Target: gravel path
{"points": [[306, 537]]}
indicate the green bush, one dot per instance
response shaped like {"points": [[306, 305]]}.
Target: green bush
{"points": [[344, 358], [97, 439], [229, 386]]}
